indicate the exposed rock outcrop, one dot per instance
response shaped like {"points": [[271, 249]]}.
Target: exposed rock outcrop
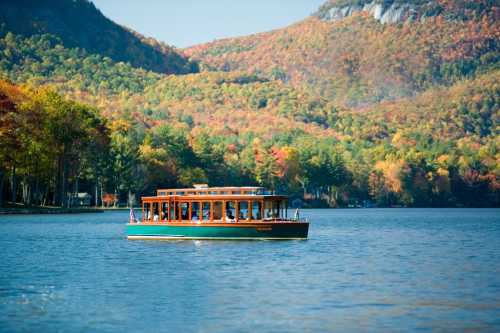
{"points": [[383, 11]]}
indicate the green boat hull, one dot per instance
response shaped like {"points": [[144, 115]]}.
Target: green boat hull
{"points": [[239, 231]]}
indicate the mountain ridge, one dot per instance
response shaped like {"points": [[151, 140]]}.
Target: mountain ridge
{"points": [[394, 11], [80, 24], [358, 60], [335, 113]]}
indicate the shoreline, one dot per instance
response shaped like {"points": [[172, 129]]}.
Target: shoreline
{"points": [[47, 210], [57, 210]]}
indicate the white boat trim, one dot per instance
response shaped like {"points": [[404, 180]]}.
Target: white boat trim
{"points": [[211, 238]]}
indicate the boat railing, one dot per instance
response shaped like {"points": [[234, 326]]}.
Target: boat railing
{"points": [[152, 221]]}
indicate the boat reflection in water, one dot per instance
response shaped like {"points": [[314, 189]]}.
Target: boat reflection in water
{"points": [[206, 212]]}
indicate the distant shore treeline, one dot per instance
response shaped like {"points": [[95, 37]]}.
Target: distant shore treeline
{"points": [[52, 147], [345, 112]]}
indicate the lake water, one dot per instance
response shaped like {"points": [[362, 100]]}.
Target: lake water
{"points": [[361, 270]]}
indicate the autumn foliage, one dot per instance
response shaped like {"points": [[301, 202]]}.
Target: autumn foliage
{"points": [[344, 113]]}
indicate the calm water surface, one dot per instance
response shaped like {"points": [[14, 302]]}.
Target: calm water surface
{"points": [[361, 270]]}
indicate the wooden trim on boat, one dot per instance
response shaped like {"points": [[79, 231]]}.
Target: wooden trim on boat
{"points": [[215, 197], [222, 224]]}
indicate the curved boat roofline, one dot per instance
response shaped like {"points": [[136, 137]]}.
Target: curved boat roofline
{"points": [[218, 197], [217, 188], [203, 189]]}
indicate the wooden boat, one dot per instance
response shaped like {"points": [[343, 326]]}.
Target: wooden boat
{"points": [[204, 212]]}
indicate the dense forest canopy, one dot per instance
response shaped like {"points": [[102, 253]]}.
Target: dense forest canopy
{"points": [[337, 113], [357, 60], [78, 24]]}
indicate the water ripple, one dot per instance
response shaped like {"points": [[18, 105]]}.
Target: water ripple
{"points": [[368, 270]]}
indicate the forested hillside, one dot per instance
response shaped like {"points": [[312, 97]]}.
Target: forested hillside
{"points": [[338, 112], [46, 142], [357, 60], [78, 24]]}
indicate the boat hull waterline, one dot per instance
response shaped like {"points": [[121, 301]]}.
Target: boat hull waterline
{"points": [[218, 231]]}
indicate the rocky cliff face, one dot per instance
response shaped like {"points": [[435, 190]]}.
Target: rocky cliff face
{"points": [[383, 11]]}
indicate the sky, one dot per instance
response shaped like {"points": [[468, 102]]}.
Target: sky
{"points": [[184, 23]]}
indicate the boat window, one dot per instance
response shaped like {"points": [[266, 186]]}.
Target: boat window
{"points": [[243, 210], [276, 209], [164, 211], [230, 211], [156, 212], [173, 211], [205, 211], [184, 208], [195, 211], [268, 210], [147, 211], [283, 207], [256, 210], [217, 210]]}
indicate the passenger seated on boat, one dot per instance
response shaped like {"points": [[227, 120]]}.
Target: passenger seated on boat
{"points": [[229, 216], [194, 216], [156, 218], [243, 212]]}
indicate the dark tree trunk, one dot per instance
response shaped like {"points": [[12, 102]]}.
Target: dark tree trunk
{"points": [[14, 185], [46, 195], [1, 187], [96, 192], [102, 194], [75, 193], [64, 201], [36, 192], [56, 199]]}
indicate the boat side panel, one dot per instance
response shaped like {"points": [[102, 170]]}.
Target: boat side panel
{"points": [[266, 231]]}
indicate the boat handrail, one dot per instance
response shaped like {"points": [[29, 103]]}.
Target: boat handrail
{"points": [[152, 221]]}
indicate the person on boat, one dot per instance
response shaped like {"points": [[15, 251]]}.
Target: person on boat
{"points": [[133, 219], [296, 216], [244, 215], [185, 213], [229, 216]]}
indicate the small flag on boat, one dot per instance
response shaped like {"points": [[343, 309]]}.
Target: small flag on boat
{"points": [[132, 216]]}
